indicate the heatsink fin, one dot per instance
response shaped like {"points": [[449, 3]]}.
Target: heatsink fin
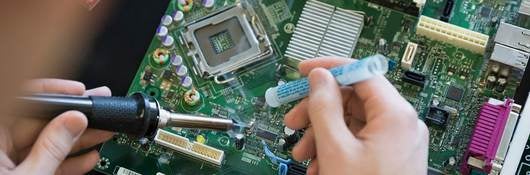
{"points": [[324, 30]]}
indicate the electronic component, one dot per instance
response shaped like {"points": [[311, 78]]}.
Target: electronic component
{"points": [[161, 56], [166, 20], [178, 16], [524, 9], [414, 78], [167, 41], [176, 60], [268, 135], [324, 30], [296, 169], [411, 7], [513, 36], [437, 116], [125, 171], [486, 138], [509, 56], [161, 31], [448, 9], [408, 55], [193, 149], [452, 34], [454, 93], [240, 141], [192, 97], [226, 41], [185, 5]]}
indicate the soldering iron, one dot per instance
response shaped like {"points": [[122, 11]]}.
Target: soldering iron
{"points": [[138, 114]]}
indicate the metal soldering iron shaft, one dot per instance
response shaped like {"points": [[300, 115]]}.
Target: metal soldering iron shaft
{"points": [[168, 119]]}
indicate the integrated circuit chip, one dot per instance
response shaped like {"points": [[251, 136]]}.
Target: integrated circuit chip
{"points": [[455, 93]]}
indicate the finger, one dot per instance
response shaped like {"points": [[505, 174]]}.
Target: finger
{"points": [[325, 109], [298, 118], [100, 91], [55, 86], [380, 99], [90, 138], [324, 62], [305, 148], [54, 143], [79, 165], [312, 169]]}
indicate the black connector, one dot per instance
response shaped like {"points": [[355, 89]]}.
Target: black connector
{"points": [[414, 78], [448, 9], [296, 169]]}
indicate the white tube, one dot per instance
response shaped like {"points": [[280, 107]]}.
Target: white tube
{"points": [[345, 75]]}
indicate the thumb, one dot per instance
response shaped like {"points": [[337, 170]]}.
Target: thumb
{"points": [[54, 144], [326, 108]]}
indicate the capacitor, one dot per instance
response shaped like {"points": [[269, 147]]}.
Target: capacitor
{"points": [[502, 81], [176, 60], [281, 142], [208, 3], [192, 97], [182, 70], [168, 41], [495, 68], [161, 31], [288, 131], [240, 141], [504, 72], [163, 159], [290, 138], [178, 16], [491, 79], [166, 20], [186, 81], [143, 140]]}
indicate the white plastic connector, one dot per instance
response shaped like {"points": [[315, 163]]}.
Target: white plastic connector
{"points": [[194, 149], [458, 36], [408, 55]]}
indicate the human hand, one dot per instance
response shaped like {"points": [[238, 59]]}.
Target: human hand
{"points": [[367, 128], [35, 146]]}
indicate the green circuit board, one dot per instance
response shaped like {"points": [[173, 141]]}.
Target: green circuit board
{"points": [[239, 95]]}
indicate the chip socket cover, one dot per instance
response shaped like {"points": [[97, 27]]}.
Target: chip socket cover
{"points": [[226, 41]]}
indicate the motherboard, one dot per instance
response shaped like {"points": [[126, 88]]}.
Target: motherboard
{"points": [[458, 62]]}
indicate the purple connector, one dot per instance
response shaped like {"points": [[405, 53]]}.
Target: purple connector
{"points": [[486, 136]]}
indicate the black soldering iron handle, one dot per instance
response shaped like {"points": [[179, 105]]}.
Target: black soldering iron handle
{"points": [[135, 115]]}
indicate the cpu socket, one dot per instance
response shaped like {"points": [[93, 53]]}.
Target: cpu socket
{"points": [[226, 41]]}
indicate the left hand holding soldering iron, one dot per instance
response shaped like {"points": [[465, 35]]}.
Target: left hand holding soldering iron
{"points": [[33, 146]]}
